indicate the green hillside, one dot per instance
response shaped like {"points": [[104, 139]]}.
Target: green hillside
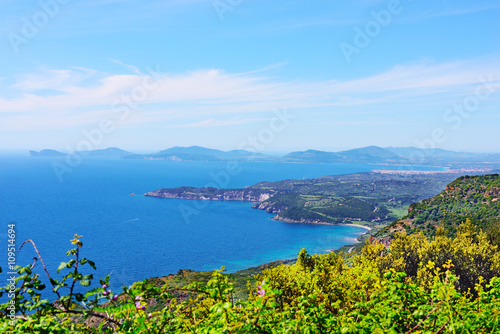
{"points": [[419, 285], [476, 198]]}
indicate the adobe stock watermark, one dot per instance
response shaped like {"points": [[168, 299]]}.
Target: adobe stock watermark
{"points": [[454, 117], [11, 311], [255, 143], [121, 108], [223, 6], [372, 29], [31, 26]]}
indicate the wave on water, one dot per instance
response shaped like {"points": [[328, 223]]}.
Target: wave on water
{"points": [[131, 220]]}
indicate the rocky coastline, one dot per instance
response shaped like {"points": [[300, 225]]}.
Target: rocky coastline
{"points": [[212, 194], [258, 196]]}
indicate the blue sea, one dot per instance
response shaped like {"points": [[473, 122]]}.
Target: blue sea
{"points": [[133, 237]]}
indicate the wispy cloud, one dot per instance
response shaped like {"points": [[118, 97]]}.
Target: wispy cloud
{"points": [[133, 69], [53, 79], [214, 98], [220, 123], [446, 12], [351, 18], [314, 22]]}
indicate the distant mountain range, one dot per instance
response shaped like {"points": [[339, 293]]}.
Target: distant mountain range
{"points": [[111, 152], [198, 153], [46, 153], [394, 155], [370, 154], [193, 153], [440, 156], [364, 155]]}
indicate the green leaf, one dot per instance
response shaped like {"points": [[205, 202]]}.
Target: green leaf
{"points": [[65, 298], [70, 263], [61, 266], [85, 282], [92, 264], [79, 297]]}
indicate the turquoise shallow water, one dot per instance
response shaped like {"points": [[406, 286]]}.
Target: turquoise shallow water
{"points": [[135, 237]]}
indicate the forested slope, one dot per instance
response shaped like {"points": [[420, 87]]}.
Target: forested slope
{"points": [[476, 198]]}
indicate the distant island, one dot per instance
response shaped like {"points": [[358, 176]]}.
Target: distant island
{"points": [[364, 155], [198, 153], [111, 152]]}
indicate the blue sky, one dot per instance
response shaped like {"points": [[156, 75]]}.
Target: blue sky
{"points": [[148, 75]]}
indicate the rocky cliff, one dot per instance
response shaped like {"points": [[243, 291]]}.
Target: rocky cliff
{"points": [[213, 194]]}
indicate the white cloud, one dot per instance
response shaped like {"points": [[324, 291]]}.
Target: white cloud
{"points": [[212, 97], [217, 123], [446, 11], [53, 79]]}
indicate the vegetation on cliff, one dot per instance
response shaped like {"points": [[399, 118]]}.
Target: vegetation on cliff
{"points": [[213, 194], [372, 198], [476, 198], [437, 285]]}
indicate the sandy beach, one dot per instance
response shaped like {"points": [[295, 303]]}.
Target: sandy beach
{"points": [[363, 226]]}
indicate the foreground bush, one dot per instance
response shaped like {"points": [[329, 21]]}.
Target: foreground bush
{"points": [[417, 286]]}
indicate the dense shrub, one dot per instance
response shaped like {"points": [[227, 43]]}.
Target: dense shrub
{"points": [[418, 285]]}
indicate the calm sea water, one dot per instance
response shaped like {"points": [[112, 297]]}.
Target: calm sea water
{"points": [[135, 237]]}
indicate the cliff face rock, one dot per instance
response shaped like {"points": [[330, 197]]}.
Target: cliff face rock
{"points": [[299, 221], [212, 194], [452, 188], [494, 191], [267, 207]]}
